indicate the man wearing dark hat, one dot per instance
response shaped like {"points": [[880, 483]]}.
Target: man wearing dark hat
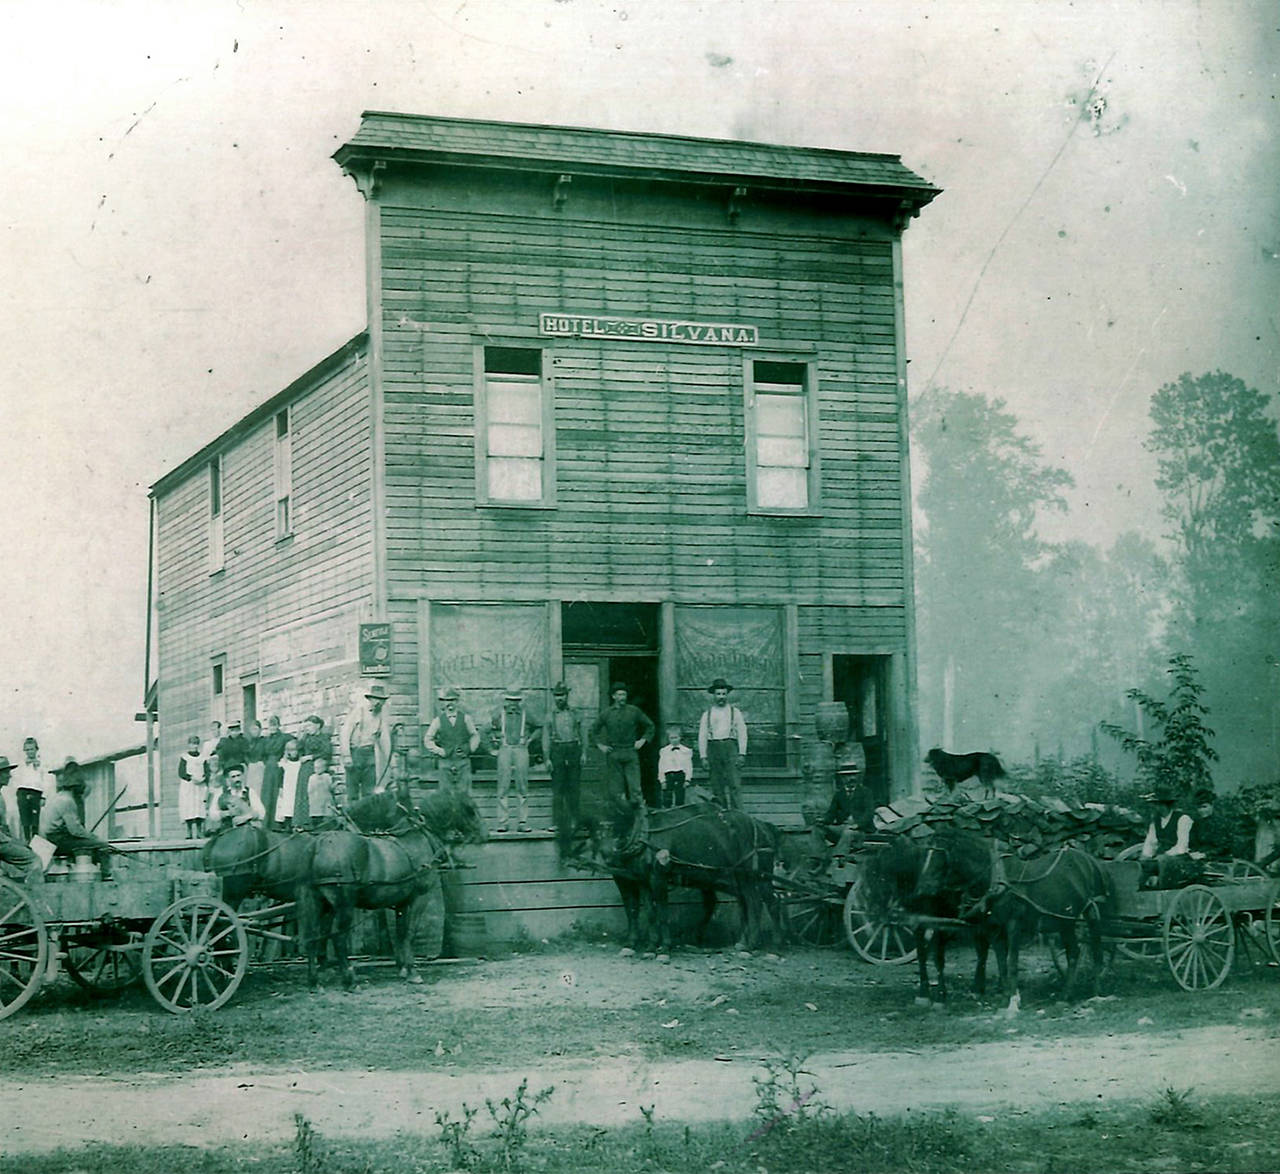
{"points": [[565, 750], [722, 744], [453, 738], [1168, 841], [620, 731], [16, 860], [233, 750], [368, 738], [1211, 835], [60, 824]]}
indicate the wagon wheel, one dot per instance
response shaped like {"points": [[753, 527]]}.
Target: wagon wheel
{"points": [[1199, 939], [808, 907], [24, 948], [195, 955], [882, 942], [103, 964]]}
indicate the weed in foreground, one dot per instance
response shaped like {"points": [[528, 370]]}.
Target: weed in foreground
{"points": [[456, 1139], [306, 1147], [783, 1098], [1175, 1110], [511, 1117]]}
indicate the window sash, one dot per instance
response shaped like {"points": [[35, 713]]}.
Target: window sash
{"points": [[514, 445], [782, 461]]}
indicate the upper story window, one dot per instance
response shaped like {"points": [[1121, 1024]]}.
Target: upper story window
{"points": [[782, 450], [284, 473], [216, 556], [515, 431]]}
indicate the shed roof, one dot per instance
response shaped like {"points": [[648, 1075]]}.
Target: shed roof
{"points": [[386, 135]]}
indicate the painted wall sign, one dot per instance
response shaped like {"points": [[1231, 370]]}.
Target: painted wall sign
{"points": [[375, 650], [647, 330]]}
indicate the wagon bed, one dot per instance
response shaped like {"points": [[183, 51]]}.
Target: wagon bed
{"points": [[167, 926], [1197, 929]]}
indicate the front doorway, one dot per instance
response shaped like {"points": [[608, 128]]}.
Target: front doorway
{"points": [[603, 643], [860, 682]]}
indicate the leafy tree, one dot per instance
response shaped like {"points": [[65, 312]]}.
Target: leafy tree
{"points": [[984, 489], [1217, 453], [1181, 755]]}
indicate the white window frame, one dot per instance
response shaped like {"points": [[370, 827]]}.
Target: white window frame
{"points": [[283, 472], [808, 392], [544, 380], [217, 514]]}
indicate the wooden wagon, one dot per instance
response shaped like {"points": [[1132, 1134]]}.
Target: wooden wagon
{"points": [[819, 907], [1199, 929], [167, 926]]}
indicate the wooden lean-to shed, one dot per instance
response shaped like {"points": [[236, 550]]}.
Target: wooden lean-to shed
{"points": [[629, 407]]}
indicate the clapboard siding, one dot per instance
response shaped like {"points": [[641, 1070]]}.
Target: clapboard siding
{"points": [[267, 584], [650, 461]]}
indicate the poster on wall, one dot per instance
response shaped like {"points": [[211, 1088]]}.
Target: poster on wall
{"points": [[375, 650]]}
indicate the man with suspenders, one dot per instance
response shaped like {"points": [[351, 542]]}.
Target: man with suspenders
{"points": [[722, 744]]}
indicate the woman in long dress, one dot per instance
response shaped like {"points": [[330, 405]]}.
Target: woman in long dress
{"points": [[193, 789], [254, 766]]}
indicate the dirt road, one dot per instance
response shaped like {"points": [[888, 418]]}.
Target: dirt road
{"points": [[228, 1105]]}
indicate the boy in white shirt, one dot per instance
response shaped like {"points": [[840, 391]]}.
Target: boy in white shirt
{"points": [[675, 769]]}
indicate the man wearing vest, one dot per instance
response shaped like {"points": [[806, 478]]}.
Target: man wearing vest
{"points": [[453, 738], [513, 733], [1165, 851], [722, 744], [566, 753]]}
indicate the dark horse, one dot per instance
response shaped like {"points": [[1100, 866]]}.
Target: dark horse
{"points": [[395, 868], [890, 879], [1013, 898], [700, 846]]}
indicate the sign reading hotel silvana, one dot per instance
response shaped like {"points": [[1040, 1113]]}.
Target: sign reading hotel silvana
{"points": [[647, 330]]}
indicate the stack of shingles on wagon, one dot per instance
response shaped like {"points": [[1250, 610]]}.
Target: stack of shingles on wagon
{"points": [[1029, 826]]}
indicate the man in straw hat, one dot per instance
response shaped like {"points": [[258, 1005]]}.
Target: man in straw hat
{"points": [[722, 744], [620, 732], [368, 738], [453, 738], [16, 860], [513, 730]]}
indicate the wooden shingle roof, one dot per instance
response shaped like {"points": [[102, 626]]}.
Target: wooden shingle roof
{"points": [[525, 146]]}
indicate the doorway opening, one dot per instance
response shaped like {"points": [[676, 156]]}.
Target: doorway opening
{"points": [[604, 643], [859, 681]]}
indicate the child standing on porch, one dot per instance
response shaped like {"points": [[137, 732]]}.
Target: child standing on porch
{"points": [[287, 799], [193, 788], [675, 769]]}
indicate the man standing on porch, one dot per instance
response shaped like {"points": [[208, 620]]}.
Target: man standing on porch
{"points": [[453, 738], [620, 731], [368, 737], [514, 732], [722, 744], [566, 753]]}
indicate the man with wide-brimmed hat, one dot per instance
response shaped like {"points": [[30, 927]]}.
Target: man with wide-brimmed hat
{"points": [[453, 738], [565, 750], [60, 821], [16, 859], [722, 744], [1165, 851], [620, 731], [368, 738], [512, 732]]}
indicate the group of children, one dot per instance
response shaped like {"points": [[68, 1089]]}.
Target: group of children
{"points": [[274, 780]]}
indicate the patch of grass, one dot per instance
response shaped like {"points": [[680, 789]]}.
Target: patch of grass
{"points": [[1174, 1109], [1240, 1134]]}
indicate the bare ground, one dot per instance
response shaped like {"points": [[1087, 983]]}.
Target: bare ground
{"points": [[987, 1064]]}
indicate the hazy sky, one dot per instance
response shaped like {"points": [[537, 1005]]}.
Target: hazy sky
{"points": [[177, 245]]}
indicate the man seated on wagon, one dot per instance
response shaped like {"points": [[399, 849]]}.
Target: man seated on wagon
{"points": [[1166, 852], [60, 824], [848, 818], [234, 804], [1212, 837]]}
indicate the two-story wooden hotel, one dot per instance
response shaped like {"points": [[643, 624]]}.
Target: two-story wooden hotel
{"points": [[629, 407]]}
